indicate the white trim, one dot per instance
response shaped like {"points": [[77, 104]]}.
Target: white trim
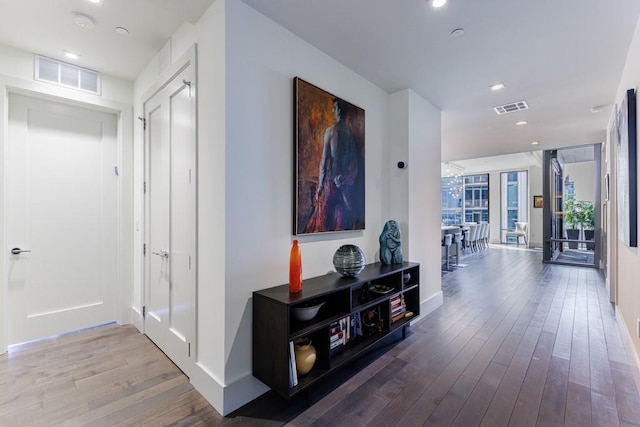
{"points": [[429, 305], [226, 398], [628, 343]]}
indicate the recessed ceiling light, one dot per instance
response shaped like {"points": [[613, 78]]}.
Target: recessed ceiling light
{"points": [[535, 143], [438, 3], [497, 86], [83, 21], [122, 31], [458, 32], [521, 122], [95, 1], [70, 55]]}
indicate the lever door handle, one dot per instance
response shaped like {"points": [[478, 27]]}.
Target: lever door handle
{"points": [[18, 251], [162, 253]]}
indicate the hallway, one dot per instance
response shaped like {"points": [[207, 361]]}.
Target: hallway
{"points": [[517, 342]]}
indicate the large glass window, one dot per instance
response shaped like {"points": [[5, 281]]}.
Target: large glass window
{"points": [[465, 199], [514, 200], [451, 200]]}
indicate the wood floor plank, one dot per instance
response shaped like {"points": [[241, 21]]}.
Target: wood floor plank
{"points": [[554, 397], [578, 411]]}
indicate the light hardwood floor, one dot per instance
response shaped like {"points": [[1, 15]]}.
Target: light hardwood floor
{"points": [[516, 343]]}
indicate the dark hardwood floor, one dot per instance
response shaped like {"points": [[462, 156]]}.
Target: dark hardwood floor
{"points": [[517, 342]]}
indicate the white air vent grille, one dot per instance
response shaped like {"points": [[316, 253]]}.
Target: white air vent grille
{"points": [[510, 108], [67, 75]]}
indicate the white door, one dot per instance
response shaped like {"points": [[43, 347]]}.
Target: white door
{"points": [[171, 218], [61, 213]]}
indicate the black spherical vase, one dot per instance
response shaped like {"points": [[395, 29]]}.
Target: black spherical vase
{"points": [[349, 260]]}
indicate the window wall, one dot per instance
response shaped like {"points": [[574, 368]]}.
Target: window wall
{"points": [[476, 198], [514, 201], [465, 199]]}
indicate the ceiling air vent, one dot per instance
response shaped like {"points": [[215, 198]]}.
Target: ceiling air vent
{"points": [[510, 108], [67, 75]]}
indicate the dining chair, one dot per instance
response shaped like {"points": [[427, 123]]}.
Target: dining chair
{"points": [[520, 231]]}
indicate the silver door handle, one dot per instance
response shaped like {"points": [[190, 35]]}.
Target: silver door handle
{"points": [[18, 251], [162, 253]]}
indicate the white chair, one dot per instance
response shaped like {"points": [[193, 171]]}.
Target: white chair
{"points": [[473, 236], [486, 235], [520, 231], [482, 234], [483, 237]]}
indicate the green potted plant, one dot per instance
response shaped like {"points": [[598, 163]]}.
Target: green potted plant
{"points": [[586, 218], [571, 221]]}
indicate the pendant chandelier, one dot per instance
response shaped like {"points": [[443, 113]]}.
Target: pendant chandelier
{"points": [[454, 173]]}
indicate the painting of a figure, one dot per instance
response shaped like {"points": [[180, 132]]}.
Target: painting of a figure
{"points": [[329, 193], [627, 171]]}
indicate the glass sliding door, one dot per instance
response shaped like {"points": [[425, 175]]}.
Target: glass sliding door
{"points": [[571, 222], [514, 206]]}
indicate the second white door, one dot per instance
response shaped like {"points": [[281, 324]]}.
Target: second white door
{"points": [[171, 218]]}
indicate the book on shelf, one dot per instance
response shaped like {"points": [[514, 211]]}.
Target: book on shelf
{"points": [[397, 317], [293, 370], [398, 308], [337, 337], [336, 343]]}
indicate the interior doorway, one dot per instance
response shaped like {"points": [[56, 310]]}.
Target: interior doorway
{"points": [[61, 217], [572, 217]]}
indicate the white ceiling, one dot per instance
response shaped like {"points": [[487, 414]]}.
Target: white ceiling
{"points": [[562, 57], [47, 27]]}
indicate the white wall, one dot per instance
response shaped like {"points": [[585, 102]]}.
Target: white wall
{"points": [[583, 176], [424, 145], [628, 262], [535, 214], [408, 195], [16, 75], [262, 59]]}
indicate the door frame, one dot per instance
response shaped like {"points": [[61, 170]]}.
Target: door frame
{"points": [[125, 186], [186, 59]]}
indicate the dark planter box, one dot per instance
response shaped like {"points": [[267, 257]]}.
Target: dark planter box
{"points": [[573, 235], [588, 235]]}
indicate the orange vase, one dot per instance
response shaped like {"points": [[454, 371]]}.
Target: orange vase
{"points": [[295, 269]]}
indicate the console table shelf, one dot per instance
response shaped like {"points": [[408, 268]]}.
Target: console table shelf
{"points": [[366, 305]]}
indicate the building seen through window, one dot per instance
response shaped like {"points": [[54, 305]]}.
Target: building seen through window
{"points": [[465, 199]]}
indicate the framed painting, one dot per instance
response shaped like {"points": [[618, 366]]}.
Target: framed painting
{"points": [[329, 178], [626, 168], [537, 202]]}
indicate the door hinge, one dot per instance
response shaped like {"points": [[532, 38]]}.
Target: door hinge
{"points": [[144, 122], [144, 249], [144, 311], [144, 187], [189, 350]]}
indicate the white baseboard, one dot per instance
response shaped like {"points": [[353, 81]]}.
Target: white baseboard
{"points": [[629, 337], [429, 305], [226, 398]]}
